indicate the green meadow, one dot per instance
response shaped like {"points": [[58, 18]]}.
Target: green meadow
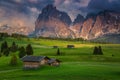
{"points": [[78, 63]]}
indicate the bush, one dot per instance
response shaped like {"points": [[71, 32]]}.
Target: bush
{"points": [[13, 60]]}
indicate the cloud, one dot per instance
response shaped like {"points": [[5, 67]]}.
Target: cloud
{"points": [[100, 5], [27, 11], [71, 6]]}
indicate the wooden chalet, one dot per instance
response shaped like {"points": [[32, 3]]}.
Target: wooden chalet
{"points": [[34, 61], [54, 62]]}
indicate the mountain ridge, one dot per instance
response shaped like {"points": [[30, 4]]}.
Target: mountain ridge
{"points": [[50, 24]]}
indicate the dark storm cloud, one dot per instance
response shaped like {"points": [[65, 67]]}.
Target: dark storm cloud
{"points": [[100, 5], [23, 6], [30, 9]]}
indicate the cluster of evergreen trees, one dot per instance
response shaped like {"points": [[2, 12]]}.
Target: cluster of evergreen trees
{"points": [[5, 49], [27, 51], [97, 51]]}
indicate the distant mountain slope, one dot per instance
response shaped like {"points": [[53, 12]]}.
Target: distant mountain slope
{"points": [[109, 38], [15, 29]]}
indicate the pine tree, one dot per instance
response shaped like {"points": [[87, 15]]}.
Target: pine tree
{"points": [[29, 50], [6, 52], [14, 47], [95, 52], [13, 60], [100, 50], [0, 54], [4, 46], [58, 51], [22, 52]]}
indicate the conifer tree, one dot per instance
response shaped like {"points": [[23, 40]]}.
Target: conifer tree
{"points": [[4, 47], [14, 47], [29, 50], [58, 51], [6, 52], [22, 52], [100, 50], [95, 52]]}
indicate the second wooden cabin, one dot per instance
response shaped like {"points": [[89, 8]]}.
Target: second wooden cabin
{"points": [[54, 62]]}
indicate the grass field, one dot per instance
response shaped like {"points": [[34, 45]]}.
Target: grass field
{"points": [[77, 63]]}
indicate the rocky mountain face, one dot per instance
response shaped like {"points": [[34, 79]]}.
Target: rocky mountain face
{"points": [[106, 22], [54, 23]]}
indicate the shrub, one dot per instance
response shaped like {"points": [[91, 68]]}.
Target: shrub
{"points": [[13, 60]]}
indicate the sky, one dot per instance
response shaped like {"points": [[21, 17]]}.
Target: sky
{"points": [[25, 12]]}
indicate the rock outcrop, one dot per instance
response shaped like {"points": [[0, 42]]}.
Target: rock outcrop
{"points": [[54, 23]]}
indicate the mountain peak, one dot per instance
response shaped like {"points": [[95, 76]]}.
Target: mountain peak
{"points": [[50, 12], [48, 8], [78, 19]]}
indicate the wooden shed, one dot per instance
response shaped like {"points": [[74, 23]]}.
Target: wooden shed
{"points": [[55, 46], [70, 46], [34, 61], [54, 62]]}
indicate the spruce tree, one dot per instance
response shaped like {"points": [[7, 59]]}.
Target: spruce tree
{"points": [[95, 52], [29, 50], [0, 54], [6, 52], [14, 47], [4, 48], [58, 51], [100, 50], [22, 52]]}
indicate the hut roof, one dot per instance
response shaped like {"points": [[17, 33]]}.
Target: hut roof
{"points": [[53, 60], [33, 58]]}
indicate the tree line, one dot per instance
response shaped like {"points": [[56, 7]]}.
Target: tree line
{"points": [[22, 51]]}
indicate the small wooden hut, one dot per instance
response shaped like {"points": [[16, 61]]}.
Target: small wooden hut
{"points": [[54, 62], [70, 46], [55, 46], [34, 61]]}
